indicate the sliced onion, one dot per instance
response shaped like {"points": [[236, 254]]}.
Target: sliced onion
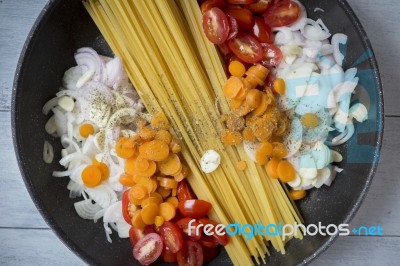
{"points": [[76, 156], [61, 173], [49, 105], [102, 195], [88, 59], [75, 189], [48, 152], [123, 228], [86, 209], [350, 132], [314, 32], [338, 38], [114, 70], [113, 213]]}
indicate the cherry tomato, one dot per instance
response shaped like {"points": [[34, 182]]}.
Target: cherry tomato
{"points": [[262, 31], [270, 80], [190, 255], [272, 55], [282, 14], [224, 48], [215, 25], [243, 16], [184, 192], [194, 208], [209, 254], [125, 207], [171, 236], [149, 229], [221, 239], [183, 224], [148, 249], [135, 235], [260, 6], [168, 256], [207, 5], [246, 47], [208, 241], [241, 2], [233, 27]]}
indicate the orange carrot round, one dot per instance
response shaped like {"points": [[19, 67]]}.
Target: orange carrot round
{"points": [[160, 121], [232, 87], [85, 130], [163, 135], [155, 150], [170, 165], [263, 152], [126, 180], [147, 133], [237, 69], [167, 182], [297, 194], [272, 168], [137, 220], [91, 176], [286, 171], [167, 210], [149, 213], [174, 201]]}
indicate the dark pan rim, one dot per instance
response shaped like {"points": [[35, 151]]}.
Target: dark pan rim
{"points": [[41, 20]]}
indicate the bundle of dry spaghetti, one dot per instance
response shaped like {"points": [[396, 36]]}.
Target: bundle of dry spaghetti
{"points": [[176, 71]]}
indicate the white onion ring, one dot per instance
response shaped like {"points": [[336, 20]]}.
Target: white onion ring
{"points": [[338, 38]]}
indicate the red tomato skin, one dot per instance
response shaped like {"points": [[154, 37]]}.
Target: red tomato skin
{"points": [[253, 51], [194, 208], [207, 5], [243, 17], [149, 229], [241, 2], [215, 25], [262, 31], [260, 6], [272, 55], [233, 27], [220, 239], [125, 206], [184, 192], [168, 256], [171, 236], [208, 241], [190, 255], [183, 224], [282, 13], [135, 235], [152, 254]]}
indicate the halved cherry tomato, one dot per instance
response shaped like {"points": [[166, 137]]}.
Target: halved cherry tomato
{"points": [[282, 13], [233, 27], [149, 229], [207, 5], [215, 25], [171, 236], [135, 235], [262, 31], [190, 255], [224, 48], [246, 47], [194, 208], [125, 207], [183, 224], [209, 254], [240, 2], [184, 192], [272, 55], [148, 249], [260, 6], [243, 16], [221, 239], [208, 241], [168, 256]]}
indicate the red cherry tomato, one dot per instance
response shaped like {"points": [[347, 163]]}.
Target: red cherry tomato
{"points": [[190, 255], [194, 208], [246, 47], [207, 5], [282, 14], [260, 6], [215, 25], [135, 235], [262, 31], [125, 207], [270, 80], [241, 2], [171, 236], [168, 256], [209, 254], [183, 224], [272, 55], [224, 48], [243, 16], [221, 239], [233, 27], [149, 229], [184, 192], [148, 249], [208, 241]]}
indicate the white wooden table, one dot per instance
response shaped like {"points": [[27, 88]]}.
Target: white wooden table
{"points": [[25, 239]]}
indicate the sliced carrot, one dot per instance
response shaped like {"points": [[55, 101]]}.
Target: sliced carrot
{"points": [[159, 221], [248, 134], [91, 176], [126, 180], [297, 194], [236, 68], [147, 133], [229, 137], [174, 201], [235, 104], [241, 96], [182, 174], [130, 166], [286, 171], [140, 122], [279, 86], [137, 193], [167, 182], [279, 150], [262, 107], [147, 183], [150, 200], [241, 165], [125, 148], [232, 87], [171, 165], [175, 146], [164, 192], [167, 210], [160, 121], [253, 98], [141, 164], [137, 220], [174, 192], [155, 150], [157, 195], [272, 168], [256, 75], [263, 152], [150, 171], [262, 129], [105, 171], [243, 110], [154, 185], [163, 135], [85, 130], [149, 213]]}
